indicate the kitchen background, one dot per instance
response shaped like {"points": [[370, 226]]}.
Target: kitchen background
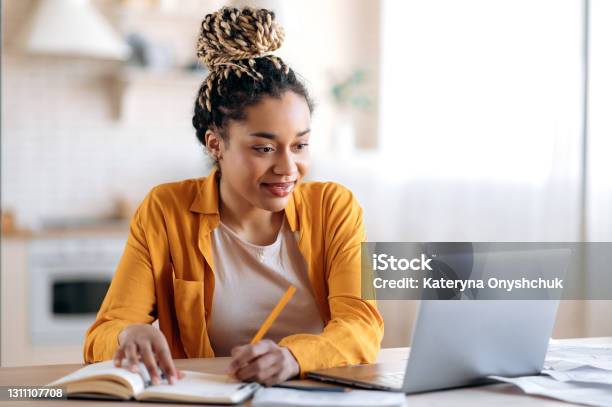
{"points": [[450, 121]]}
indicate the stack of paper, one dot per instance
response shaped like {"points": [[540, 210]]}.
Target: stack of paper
{"points": [[576, 373], [580, 393]]}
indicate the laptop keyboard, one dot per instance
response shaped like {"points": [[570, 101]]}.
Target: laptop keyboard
{"points": [[395, 379]]}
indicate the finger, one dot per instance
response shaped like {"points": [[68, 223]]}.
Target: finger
{"points": [[148, 358], [235, 364], [262, 375], [273, 379], [132, 355], [253, 369], [118, 356], [244, 354], [167, 364]]}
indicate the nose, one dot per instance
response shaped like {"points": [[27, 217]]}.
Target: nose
{"points": [[285, 164]]}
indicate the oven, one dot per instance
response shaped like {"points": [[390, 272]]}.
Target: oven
{"points": [[68, 280]]}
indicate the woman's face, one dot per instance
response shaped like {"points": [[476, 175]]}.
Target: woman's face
{"points": [[267, 153]]}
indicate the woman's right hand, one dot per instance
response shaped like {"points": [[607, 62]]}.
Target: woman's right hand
{"points": [[146, 343]]}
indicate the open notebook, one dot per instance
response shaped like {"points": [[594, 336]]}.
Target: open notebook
{"points": [[104, 380]]}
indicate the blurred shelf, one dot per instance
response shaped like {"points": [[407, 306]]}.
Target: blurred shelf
{"points": [[171, 76], [174, 14], [147, 81]]}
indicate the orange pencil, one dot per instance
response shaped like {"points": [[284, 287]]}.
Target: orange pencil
{"points": [[273, 315]]}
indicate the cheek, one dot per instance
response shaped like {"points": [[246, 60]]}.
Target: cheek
{"points": [[303, 165], [253, 167], [246, 169]]}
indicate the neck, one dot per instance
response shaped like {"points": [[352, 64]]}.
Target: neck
{"points": [[244, 217]]}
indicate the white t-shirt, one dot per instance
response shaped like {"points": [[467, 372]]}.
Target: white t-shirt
{"points": [[249, 281]]}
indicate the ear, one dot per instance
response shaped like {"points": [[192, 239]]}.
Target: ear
{"points": [[214, 144]]}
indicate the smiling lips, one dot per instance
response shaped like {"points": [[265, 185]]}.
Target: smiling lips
{"points": [[279, 189]]}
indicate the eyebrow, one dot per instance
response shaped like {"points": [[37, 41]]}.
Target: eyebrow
{"points": [[271, 136]]}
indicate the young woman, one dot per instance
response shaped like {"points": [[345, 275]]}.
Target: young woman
{"points": [[210, 257]]}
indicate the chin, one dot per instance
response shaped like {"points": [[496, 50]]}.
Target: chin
{"points": [[275, 204]]}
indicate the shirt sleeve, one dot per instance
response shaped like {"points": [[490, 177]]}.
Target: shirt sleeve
{"points": [[355, 330], [130, 298]]}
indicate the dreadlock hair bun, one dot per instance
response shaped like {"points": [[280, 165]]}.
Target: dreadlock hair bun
{"points": [[232, 34], [236, 46], [230, 41]]}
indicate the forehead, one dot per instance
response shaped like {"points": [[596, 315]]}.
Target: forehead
{"points": [[287, 112]]}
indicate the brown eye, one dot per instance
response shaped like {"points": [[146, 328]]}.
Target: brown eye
{"points": [[263, 149]]}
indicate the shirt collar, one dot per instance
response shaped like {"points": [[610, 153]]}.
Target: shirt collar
{"points": [[206, 201]]}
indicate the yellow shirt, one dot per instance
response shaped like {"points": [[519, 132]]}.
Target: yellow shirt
{"points": [[166, 273]]}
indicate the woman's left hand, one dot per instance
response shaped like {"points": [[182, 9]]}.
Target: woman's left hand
{"points": [[264, 362]]}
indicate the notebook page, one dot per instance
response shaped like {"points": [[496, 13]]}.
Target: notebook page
{"points": [[107, 368], [197, 385]]}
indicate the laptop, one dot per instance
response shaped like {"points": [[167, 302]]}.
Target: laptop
{"points": [[458, 343]]}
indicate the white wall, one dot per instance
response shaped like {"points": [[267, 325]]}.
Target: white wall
{"points": [[65, 154]]}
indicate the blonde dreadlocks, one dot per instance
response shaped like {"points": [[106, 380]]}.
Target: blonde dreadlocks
{"points": [[230, 37], [236, 45]]}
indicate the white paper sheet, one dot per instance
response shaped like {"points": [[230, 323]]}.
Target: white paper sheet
{"points": [[562, 357], [584, 374], [575, 373], [273, 396], [590, 394]]}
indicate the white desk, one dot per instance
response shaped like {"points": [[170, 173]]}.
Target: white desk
{"points": [[490, 395]]}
